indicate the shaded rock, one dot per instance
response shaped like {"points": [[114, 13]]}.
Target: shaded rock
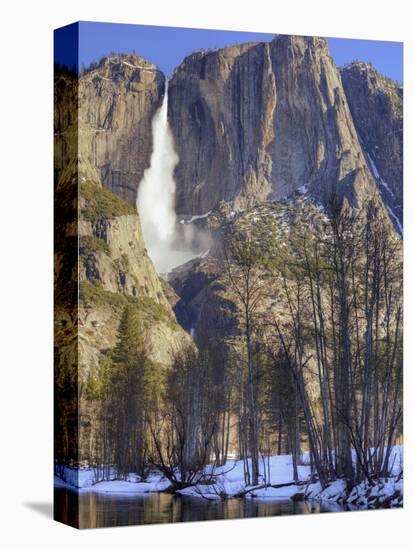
{"points": [[376, 104]]}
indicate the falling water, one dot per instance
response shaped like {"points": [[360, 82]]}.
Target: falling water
{"points": [[156, 198]]}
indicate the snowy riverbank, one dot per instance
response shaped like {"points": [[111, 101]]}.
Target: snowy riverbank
{"points": [[229, 482]]}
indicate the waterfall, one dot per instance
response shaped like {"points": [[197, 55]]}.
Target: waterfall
{"points": [[156, 193], [167, 247]]}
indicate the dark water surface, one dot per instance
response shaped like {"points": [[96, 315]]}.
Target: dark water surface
{"points": [[108, 510]]}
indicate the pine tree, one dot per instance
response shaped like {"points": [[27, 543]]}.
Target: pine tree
{"points": [[128, 389]]}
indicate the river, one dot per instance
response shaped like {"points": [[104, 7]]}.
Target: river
{"points": [[109, 510]]}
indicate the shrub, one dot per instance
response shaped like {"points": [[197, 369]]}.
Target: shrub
{"points": [[99, 203]]}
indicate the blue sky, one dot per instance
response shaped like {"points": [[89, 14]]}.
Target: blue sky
{"points": [[167, 46]]}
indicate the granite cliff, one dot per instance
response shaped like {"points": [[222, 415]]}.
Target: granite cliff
{"points": [[118, 97], [263, 120]]}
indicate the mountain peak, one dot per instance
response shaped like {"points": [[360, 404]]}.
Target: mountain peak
{"points": [[299, 45]]}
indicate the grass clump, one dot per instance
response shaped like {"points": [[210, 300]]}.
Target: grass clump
{"points": [[99, 203], [94, 295], [89, 245]]}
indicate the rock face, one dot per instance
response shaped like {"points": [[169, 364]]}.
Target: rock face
{"points": [[262, 120], [376, 104], [315, 143], [115, 269], [117, 100], [202, 307], [219, 105], [114, 253]]}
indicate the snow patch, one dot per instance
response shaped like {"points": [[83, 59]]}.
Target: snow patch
{"points": [[198, 217], [386, 186], [378, 176], [396, 219]]}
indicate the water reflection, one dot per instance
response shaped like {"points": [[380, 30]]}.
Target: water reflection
{"points": [[89, 509]]}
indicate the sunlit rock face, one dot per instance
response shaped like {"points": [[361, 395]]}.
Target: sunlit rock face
{"points": [[262, 120], [118, 98]]}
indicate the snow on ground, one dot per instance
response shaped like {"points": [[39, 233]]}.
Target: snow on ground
{"points": [[229, 481], [85, 480], [117, 486], [384, 492], [388, 492]]}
